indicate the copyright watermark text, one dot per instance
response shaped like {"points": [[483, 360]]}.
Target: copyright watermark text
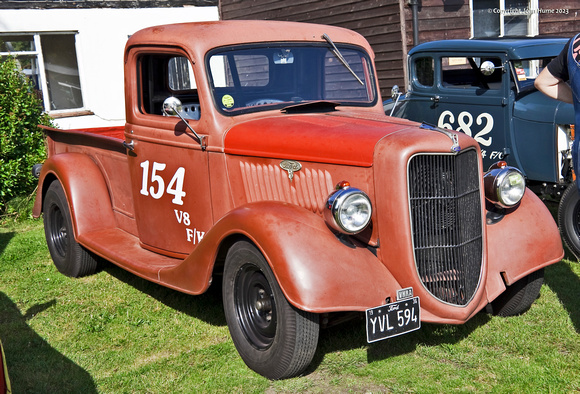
{"points": [[528, 11]]}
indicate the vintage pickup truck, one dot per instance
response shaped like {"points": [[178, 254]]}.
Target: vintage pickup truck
{"points": [[257, 154], [485, 88]]}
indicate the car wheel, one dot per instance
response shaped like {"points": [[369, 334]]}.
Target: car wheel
{"points": [[273, 338], [518, 297], [68, 256], [569, 219]]}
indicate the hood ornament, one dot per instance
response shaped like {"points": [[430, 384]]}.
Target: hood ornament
{"points": [[291, 166], [453, 136]]}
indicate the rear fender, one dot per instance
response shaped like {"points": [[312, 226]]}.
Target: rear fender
{"points": [[315, 270], [85, 188]]}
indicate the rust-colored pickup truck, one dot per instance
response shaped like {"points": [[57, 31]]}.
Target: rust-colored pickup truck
{"points": [[258, 154]]}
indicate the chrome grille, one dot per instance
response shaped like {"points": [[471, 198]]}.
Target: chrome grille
{"points": [[446, 224]]}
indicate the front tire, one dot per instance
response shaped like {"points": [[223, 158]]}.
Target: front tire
{"points": [[273, 338], [68, 256], [569, 218], [518, 297]]}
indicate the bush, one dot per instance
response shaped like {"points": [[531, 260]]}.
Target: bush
{"points": [[21, 142]]}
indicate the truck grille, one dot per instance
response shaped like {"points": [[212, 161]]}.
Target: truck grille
{"points": [[446, 224]]}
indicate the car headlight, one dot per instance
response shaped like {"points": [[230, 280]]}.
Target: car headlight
{"points": [[348, 209], [504, 185]]}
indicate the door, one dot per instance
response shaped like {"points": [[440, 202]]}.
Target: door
{"points": [[169, 168]]}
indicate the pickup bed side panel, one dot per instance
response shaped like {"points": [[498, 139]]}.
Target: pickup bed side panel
{"points": [[85, 188], [316, 271]]}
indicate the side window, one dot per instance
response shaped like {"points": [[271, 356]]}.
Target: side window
{"points": [[180, 74], [162, 76], [424, 70], [464, 73]]}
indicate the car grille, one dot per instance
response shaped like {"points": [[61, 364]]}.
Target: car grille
{"points": [[446, 222]]}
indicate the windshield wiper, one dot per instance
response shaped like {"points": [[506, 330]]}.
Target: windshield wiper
{"points": [[311, 106], [341, 58]]}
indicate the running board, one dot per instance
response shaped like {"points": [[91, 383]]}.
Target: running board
{"points": [[123, 249]]}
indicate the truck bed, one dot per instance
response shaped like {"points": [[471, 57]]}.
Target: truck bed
{"points": [[116, 132], [113, 132]]}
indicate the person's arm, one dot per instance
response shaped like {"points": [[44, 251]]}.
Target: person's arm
{"points": [[553, 87]]}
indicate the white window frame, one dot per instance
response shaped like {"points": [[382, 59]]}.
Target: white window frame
{"points": [[532, 11], [42, 79]]}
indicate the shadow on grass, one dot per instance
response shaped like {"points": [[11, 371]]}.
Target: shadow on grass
{"points": [[206, 307], [345, 336], [33, 365], [5, 240], [352, 335], [566, 284]]}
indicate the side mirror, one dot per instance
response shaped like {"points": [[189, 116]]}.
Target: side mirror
{"points": [[487, 68], [172, 106], [395, 92]]}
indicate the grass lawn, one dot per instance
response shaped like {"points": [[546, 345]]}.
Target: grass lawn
{"points": [[114, 332]]}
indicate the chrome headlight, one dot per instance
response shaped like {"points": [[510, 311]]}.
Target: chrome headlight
{"points": [[504, 185], [348, 210]]}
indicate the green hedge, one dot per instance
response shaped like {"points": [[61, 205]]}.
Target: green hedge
{"points": [[21, 142]]}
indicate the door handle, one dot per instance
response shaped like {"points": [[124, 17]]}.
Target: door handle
{"points": [[129, 145], [435, 99]]}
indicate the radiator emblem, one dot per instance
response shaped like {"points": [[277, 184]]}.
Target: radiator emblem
{"points": [[291, 166]]}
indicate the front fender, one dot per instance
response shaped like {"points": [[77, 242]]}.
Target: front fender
{"points": [[522, 242], [85, 188], [315, 270]]}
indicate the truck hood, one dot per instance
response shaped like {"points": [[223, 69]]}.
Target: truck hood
{"points": [[330, 138], [537, 107]]}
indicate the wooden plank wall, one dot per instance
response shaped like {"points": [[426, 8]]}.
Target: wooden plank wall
{"points": [[440, 20], [565, 23], [50, 4], [378, 21], [388, 24]]}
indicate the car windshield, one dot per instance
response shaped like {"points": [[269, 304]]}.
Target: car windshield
{"points": [[277, 76], [526, 71]]}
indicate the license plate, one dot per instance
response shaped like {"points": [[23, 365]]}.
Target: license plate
{"points": [[394, 319]]}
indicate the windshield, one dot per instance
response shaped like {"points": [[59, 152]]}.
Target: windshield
{"points": [[280, 75], [527, 70]]}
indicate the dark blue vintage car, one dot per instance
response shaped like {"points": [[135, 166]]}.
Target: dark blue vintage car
{"points": [[485, 88]]}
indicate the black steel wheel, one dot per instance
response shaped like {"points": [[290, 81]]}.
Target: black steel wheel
{"points": [[273, 338], [569, 219], [68, 256], [518, 297]]}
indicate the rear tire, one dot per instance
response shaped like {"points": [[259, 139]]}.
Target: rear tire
{"points": [[518, 297], [68, 256], [273, 338], [569, 219]]}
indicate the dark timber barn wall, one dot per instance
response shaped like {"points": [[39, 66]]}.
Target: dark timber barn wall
{"points": [[379, 21], [556, 23], [386, 24]]}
